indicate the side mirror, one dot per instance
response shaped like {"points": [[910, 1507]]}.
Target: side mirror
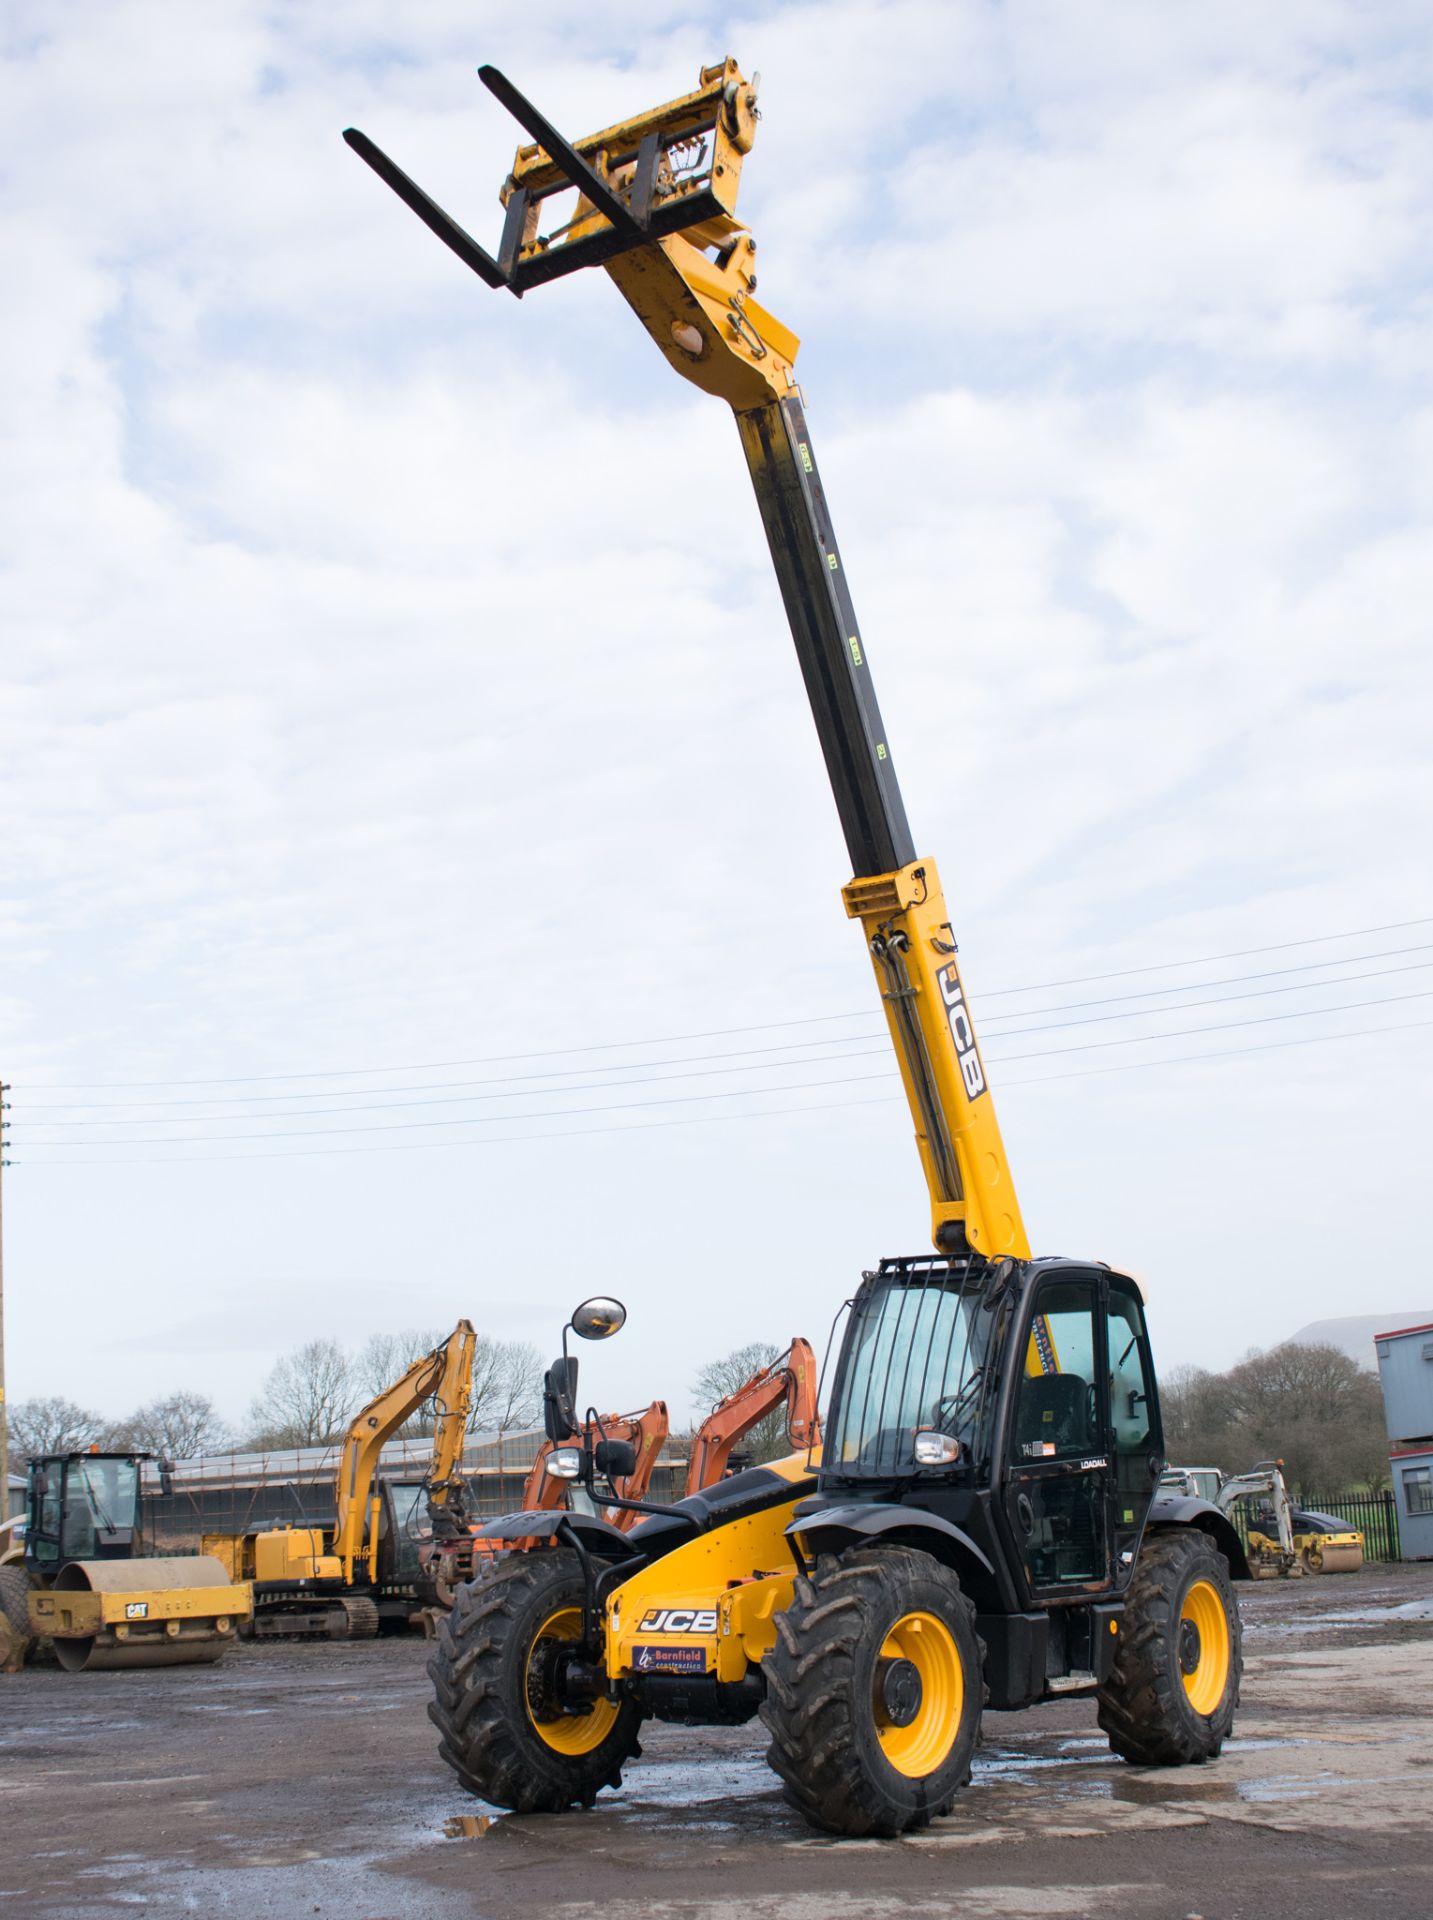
{"points": [[559, 1400], [615, 1459], [598, 1318]]}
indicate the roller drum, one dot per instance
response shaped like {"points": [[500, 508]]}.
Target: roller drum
{"points": [[103, 1652], [94, 1626]]}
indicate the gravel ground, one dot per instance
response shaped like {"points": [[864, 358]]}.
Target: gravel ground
{"points": [[303, 1780]]}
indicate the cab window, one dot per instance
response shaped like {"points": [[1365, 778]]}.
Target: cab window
{"points": [[1057, 1413], [1129, 1381]]}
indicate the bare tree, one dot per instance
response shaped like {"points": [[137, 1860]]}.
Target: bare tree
{"points": [[1197, 1419], [1310, 1406], [768, 1438], [307, 1398], [507, 1386], [1314, 1408], [178, 1427], [50, 1426]]}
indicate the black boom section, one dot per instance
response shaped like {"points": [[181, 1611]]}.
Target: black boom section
{"points": [[828, 640]]}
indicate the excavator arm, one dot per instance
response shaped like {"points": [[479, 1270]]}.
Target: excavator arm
{"points": [[445, 1374], [792, 1379], [655, 206]]}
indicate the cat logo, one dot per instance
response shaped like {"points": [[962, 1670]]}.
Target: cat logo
{"points": [[678, 1620], [961, 1031]]}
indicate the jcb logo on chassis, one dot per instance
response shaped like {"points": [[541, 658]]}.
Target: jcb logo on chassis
{"points": [[678, 1620], [961, 1031]]}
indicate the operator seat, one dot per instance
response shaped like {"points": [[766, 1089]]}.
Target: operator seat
{"points": [[1054, 1407]]}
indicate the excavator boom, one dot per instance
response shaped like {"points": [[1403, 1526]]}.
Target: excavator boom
{"points": [[444, 1375], [791, 1379], [655, 206]]}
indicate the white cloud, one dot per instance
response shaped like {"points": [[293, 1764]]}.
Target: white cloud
{"points": [[394, 673]]}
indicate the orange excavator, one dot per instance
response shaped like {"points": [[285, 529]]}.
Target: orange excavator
{"points": [[792, 1377], [455, 1555]]}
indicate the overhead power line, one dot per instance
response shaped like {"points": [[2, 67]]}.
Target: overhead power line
{"points": [[734, 1093], [468, 1093], [719, 1033], [798, 1046], [709, 1119]]}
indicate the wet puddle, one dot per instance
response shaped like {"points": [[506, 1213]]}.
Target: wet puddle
{"points": [[1421, 1609]]}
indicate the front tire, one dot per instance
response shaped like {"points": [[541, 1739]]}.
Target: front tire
{"points": [[506, 1731], [874, 1691], [1171, 1695]]}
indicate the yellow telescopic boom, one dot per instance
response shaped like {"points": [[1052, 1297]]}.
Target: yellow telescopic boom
{"points": [[655, 205]]}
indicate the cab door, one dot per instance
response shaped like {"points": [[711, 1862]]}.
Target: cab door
{"points": [[1136, 1437], [1058, 1462]]}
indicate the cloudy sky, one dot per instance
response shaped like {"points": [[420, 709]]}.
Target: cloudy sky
{"points": [[420, 888]]}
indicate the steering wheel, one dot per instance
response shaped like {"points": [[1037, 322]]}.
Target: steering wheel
{"points": [[946, 1414]]}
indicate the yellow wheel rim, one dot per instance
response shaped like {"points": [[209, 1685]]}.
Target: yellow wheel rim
{"points": [[1206, 1680], [571, 1733], [929, 1645]]}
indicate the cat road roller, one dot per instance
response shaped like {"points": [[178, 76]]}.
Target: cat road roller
{"points": [[983, 1522], [83, 1584]]}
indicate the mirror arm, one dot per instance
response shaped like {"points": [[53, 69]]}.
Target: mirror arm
{"points": [[657, 1506]]}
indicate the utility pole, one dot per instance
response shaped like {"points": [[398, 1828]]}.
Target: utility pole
{"points": [[4, 1410]]}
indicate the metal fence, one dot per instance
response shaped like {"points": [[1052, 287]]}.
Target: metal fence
{"points": [[1374, 1515]]}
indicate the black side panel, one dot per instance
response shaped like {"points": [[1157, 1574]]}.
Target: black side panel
{"points": [[828, 641], [1014, 1656]]}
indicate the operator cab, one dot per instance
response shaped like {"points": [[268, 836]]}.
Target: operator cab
{"points": [[82, 1506], [1014, 1400]]}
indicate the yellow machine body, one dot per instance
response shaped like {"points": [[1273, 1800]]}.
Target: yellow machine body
{"points": [[295, 1553], [296, 1557], [1318, 1552], [958, 1137], [140, 1613], [708, 1606]]}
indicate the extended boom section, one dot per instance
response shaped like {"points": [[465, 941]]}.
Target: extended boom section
{"points": [[982, 1521], [655, 200]]}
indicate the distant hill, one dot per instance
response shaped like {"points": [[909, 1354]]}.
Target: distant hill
{"points": [[1354, 1333]]}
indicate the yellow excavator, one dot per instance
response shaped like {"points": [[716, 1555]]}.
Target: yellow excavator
{"points": [[341, 1583], [983, 1523], [83, 1582]]}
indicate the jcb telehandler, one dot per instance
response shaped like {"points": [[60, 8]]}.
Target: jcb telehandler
{"points": [[983, 1523]]}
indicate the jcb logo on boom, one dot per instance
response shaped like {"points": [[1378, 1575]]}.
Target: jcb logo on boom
{"points": [[961, 1031], [678, 1620]]}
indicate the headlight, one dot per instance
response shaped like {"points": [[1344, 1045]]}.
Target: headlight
{"points": [[934, 1449], [565, 1463]]}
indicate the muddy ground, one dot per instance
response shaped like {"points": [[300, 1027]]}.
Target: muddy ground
{"points": [[303, 1780]]}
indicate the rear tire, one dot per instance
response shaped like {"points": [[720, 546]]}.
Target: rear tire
{"points": [[504, 1735], [874, 1691], [1171, 1695], [16, 1639]]}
